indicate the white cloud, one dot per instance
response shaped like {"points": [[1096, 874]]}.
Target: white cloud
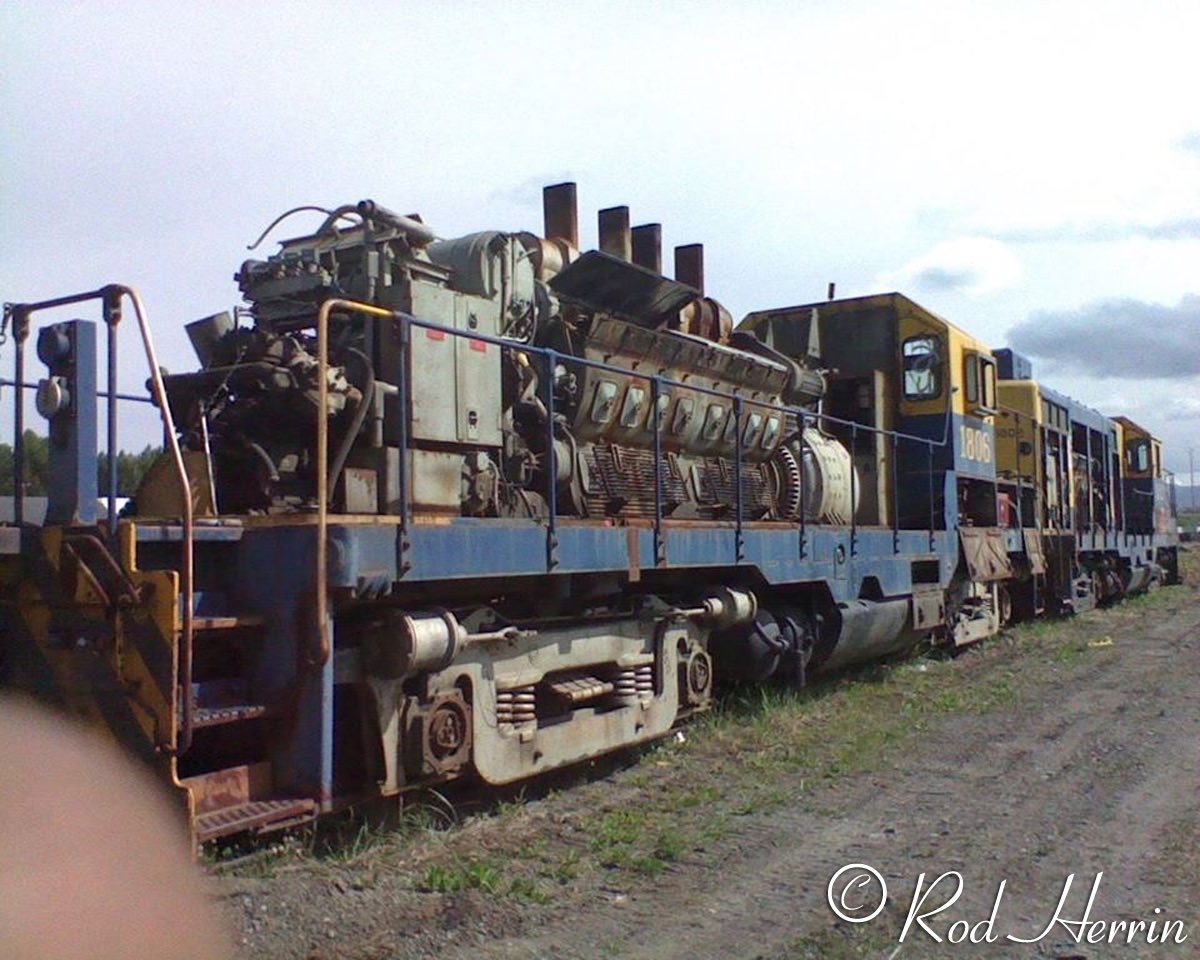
{"points": [[1117, 338], [974, 266], [1191, 142]]}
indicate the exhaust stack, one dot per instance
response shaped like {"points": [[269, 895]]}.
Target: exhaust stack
{"points": [[614, 232], [689, 265], [560, 213], [647, 246]]}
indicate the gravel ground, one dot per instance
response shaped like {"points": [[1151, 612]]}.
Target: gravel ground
{"points": [[1060, 749]]}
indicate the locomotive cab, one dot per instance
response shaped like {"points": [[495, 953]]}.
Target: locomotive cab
{"points": [[894, 366], [1147, 493]]}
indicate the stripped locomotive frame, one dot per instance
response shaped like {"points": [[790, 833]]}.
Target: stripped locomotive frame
{"points": [[486, 506]]}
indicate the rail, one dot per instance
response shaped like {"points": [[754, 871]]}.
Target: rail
{"points": [[549, 359], [123, 397], [111, 297]]}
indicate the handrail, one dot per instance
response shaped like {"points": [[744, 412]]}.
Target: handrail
{"points": [[124, 397], [184, 738], [322, 572], [111, 295], [895, 456], [660, 554], [738, 551], [664, 380], [853, 491], [551, 467], [549, 356]]}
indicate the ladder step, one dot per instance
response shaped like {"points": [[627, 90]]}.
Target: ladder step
{"points": [[225, 623], [215, 716], [252, 815], [230, 786]]}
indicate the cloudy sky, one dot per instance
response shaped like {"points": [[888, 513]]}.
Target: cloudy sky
{"points": [[1029, 170]]}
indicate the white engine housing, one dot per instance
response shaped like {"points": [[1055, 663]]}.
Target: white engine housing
{"points": [[831, 485]]}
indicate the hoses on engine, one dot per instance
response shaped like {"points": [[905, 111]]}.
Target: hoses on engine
{"points": [[356, 422], [265, 459], [331, 216]]}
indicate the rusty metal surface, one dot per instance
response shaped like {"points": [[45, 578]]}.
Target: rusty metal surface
{"points": [[228, 787], [360, 490], [985, 553], [1033, 550], [929, 608], [633, 547], [249, 816], [446, 733]]}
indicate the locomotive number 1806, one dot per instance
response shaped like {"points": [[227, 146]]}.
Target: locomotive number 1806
{"points": [[975, 444]]}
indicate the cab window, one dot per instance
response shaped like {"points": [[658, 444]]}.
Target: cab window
{"points": [[979, 382], [987, 369], [1139, 456], [922, 367], [971, 378]]}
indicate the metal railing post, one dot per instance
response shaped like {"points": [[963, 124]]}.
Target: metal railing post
{"points": [[159, 390], [20, 328], [112, 317], [932, 506], [551, 466], [322, 570], [853, 490], [895, 493], [803, 424], [404, 564], [738, 545], [659, 545]]}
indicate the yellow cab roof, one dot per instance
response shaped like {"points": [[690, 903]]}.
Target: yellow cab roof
{"points": [[1021, 396], [1135, 428], [897, 301]]}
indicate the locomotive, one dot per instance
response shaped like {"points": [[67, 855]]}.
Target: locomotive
{"points": [[485, 506]]}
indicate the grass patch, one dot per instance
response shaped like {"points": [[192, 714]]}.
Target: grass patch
{"points": [[486, 876], [670, 844], [528, 890], [562, 870], [457, 877]]}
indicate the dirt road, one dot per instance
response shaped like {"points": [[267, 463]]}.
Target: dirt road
{"points": [[1064, 749]]}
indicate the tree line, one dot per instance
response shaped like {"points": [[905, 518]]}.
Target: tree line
{"points": [[131, 467]]}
